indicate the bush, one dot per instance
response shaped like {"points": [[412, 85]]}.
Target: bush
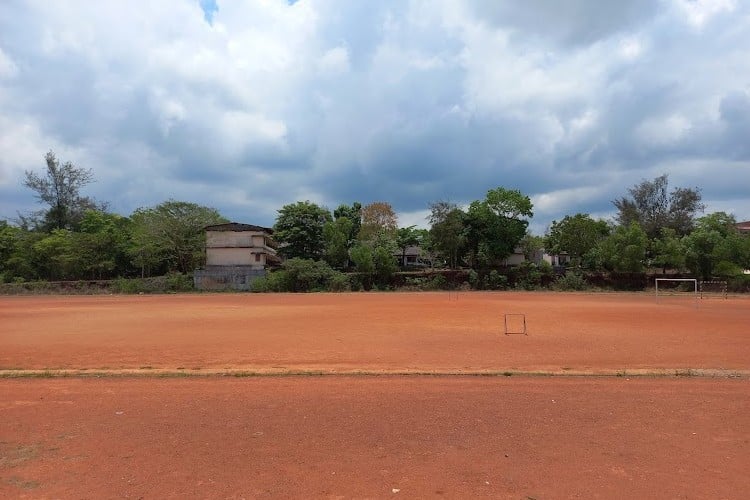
{"points": [[438, 282], [473, 279], [302, 275], [497, 281], [339, 282], [178, 282], [570, 281], [739, 284]]}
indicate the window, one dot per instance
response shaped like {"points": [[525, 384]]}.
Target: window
{"points": [[257, 257]]}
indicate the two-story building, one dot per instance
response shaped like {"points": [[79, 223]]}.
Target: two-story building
{"points": [[236, 254]]}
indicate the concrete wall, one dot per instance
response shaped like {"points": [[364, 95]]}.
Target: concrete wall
{"points": [[226, 277], [235, 257], [232, 239]]}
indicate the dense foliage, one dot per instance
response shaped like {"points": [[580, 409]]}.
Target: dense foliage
{"points": [[657, 229]]}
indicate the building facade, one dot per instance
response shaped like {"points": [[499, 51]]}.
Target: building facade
{"points": [[236, 255]]}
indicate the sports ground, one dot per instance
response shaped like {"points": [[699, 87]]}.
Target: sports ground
{"points": [[374, 395]]}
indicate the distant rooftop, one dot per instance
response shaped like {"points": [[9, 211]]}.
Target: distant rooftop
{"points": [[237, 227]]}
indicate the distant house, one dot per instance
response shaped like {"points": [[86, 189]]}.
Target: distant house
{"points": [[236, 254], [412, 256], [557, 260], [743, 227]]}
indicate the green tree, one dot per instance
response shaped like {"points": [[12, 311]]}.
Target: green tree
{"points": [[532, 246], [336, 234], [447, 231], [384, 262], [299, 230], [9, 236], [21, 262], [653, 207], [497, 224], [60, 188], [668, 251], [352, 212], [57, 256], [625, 249], [405, 238], [104, 241], [172, 232], [716, 247], [575, 235]]}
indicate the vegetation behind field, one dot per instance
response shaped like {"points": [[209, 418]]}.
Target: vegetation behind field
{"points": [[75, 239]]}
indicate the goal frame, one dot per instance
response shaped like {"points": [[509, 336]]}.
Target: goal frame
{"points": [[694, 280], [721, 292]]}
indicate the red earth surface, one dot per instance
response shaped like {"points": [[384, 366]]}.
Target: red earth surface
{"points": [[164, 431], [375, 332]]}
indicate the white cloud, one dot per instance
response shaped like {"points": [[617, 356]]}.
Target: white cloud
{"points": [[556, 201], [407, 101], [700, 12], [663, 131], [8, 68], [334, 61]]}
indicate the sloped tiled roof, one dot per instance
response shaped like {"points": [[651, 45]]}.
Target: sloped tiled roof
{"points": [[237, 227], [744, 226]]}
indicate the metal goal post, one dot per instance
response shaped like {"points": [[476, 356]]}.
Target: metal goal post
{"points": [[516, 325], [694, 281], [712, 288]]}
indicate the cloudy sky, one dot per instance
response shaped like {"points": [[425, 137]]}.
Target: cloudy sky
{"points": [[248, 105]]}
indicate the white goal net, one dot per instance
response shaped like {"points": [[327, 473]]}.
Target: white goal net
{"points": [[676, 287]]}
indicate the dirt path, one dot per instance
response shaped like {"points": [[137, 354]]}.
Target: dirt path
{"points": [[385, 332], [374, 437]]}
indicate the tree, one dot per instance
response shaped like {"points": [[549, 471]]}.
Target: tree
{"points": [[447, 231], [575, 235], [653, 208], [299, 230], [336, 234], [405, 238], [57, 256], [59, 188], [104, 240], [496, 225], [531, 246], [172, 232], [378, 219], [625, 249], [668, 251], [354, 214], [716, 247]]}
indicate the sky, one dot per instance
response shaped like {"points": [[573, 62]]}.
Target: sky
{"points": [[245, 106]]}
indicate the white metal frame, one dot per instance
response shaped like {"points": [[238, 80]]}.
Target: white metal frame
{"points": [[694, 280]]}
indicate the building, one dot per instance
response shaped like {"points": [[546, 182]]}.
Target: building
{"points": [[412, 256], [236, 254], [743, 227]]}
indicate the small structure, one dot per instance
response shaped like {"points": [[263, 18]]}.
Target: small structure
{"points": [[743, 227], [412, 256], [236, 254]]}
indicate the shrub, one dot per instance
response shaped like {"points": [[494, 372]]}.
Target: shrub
{"points": [[339, 282], [497, 281], [302, 275], [473, 279], [178, 282], [570, 281], [438, 282]]}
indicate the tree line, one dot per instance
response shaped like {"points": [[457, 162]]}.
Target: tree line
{"points": [[75, 237]]}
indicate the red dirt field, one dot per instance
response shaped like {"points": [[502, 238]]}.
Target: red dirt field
{"points": [[374, 332], [375, 437]]}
